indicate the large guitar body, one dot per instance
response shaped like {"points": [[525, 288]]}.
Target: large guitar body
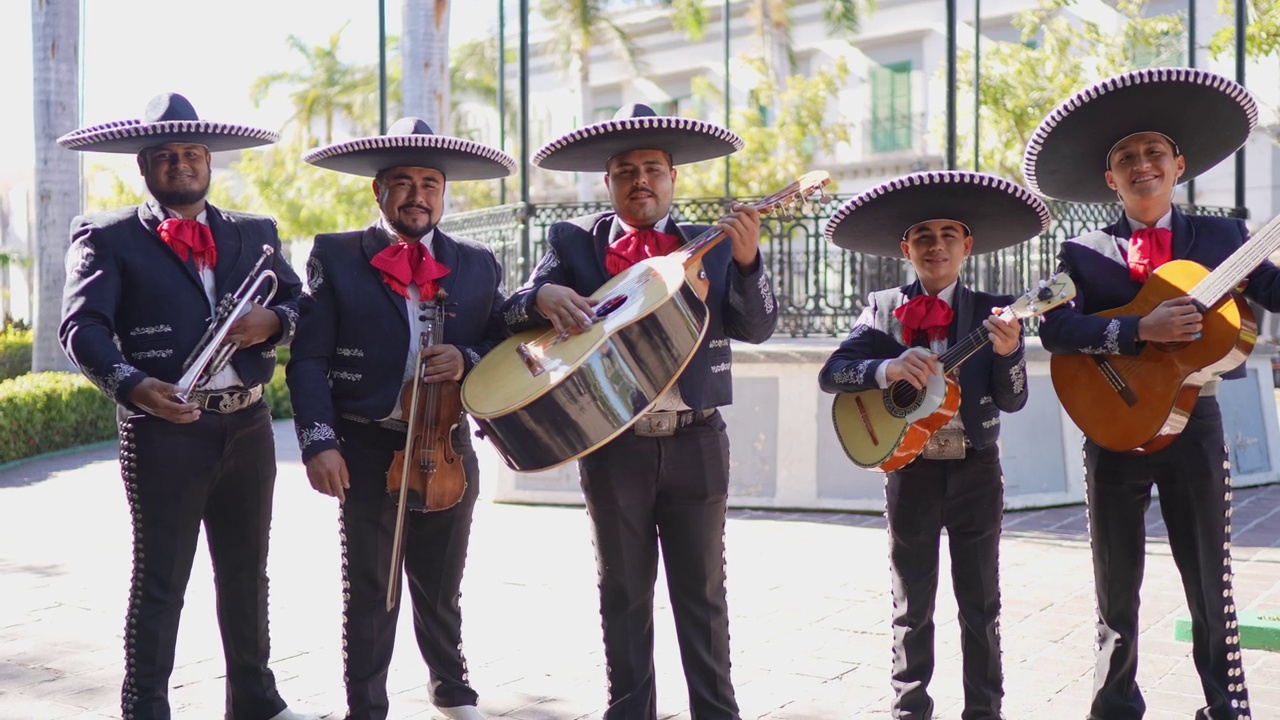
{"points": [[1140, 403], [544, 401], [879, 431]]}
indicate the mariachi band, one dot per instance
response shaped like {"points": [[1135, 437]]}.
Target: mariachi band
{"points": [[616, 354]]}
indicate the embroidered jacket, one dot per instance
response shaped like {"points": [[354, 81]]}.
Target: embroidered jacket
{"points": [[1098, 265], [742, 307], [132, 309], [989, 383], [353, 330]]}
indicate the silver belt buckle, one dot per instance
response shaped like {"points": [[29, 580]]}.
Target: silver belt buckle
{"points": [[946, 444], [656, 424], [225, 402]]}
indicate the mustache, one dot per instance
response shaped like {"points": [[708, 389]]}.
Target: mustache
{"points": [[416, 206]]}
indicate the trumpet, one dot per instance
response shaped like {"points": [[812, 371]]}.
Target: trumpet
{"points": [[211, 355]]}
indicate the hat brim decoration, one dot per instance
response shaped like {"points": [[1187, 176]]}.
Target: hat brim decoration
{"points": [[169, 118], [587, 149], [1206, 115], [413, 145], [997, 212]]}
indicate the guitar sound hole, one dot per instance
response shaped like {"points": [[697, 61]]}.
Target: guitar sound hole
{"points": [[608, 306], [902, 399]]}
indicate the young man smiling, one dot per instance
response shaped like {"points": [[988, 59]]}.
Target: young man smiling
{"points": [[1136, 136]]}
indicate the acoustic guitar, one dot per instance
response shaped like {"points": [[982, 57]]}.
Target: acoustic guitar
{"points": [[886, 429], [544, 399], [1140, 403]]}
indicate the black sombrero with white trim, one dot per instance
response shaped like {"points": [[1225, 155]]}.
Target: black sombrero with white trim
{"points": [[637, 127], [997, 212], [169, 118], [410, 142], [1206, 115]]}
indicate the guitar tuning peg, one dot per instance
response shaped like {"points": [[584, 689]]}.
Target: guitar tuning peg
{"points": [[826, 198]]}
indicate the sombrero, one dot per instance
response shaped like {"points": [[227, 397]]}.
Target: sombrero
{"points": [[1206, 115], [169, 118], [997, 212], [410, 142], [637, 127]]}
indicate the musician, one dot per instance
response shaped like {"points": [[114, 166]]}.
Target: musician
{"points": [[936, 220], [141, 285], [1135, 136], [356, 348], [664, 481]]}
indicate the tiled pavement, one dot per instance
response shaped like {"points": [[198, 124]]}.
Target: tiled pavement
{"points": [[808, 596]]}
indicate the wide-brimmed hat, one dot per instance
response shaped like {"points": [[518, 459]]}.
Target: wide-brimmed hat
{"points": [[169, 118], [410, 142], [637, 127], [1207, 116], [997, 212]]}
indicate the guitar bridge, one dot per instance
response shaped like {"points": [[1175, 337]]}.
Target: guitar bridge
{"points": [[532, 359]]}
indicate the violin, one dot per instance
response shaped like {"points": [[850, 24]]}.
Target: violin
{"points": [[427, 475]]}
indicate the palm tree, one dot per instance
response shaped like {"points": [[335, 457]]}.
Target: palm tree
{"points": [[424, 58], [328, 89], [772, 20], [55, 38]]}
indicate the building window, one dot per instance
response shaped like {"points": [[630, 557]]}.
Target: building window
{"points": [[1168, 50], [604, 112], [891, 107]]}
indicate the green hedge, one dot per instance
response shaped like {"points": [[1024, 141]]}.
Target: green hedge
{"points": [[15, 353], [276, 392], [47, 411]]}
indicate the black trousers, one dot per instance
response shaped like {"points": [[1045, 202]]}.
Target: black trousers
{"points": [[642, 493], [1195, 500], [435, 554], [220, 472], [967, 498]]}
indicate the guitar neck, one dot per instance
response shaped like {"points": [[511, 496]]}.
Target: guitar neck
{"points": [[964, 349], [1224, 278], [693, 250]]}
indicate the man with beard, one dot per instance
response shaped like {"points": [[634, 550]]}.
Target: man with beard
{"points": [[368, 303], [665, 481], [141, 286]]}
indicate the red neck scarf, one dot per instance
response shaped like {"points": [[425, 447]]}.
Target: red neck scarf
{"points": [[637, 245], [188, 237], [924, 316], [1149, 248], [403, 263]]}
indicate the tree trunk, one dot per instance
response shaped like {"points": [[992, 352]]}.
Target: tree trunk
{"points": [[55, 37], [587, 181], [424, 52]]}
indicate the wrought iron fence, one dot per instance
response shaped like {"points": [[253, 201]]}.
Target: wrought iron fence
{"points": [[820, 288]]}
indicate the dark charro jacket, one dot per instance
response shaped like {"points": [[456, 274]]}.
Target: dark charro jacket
{"points": [[989, 383], [1098, 264], [132, 309], [742, 307], [353, 331]]}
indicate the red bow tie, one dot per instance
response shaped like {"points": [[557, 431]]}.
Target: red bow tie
{"points": [[188, 237], [637, 245], [924, 316], [1149, 248], [403, 263]]}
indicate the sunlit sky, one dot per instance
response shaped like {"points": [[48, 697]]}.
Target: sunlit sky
{"points": [[211, 51]]}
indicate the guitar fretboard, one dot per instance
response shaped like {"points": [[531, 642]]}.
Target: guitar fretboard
{"points": [[1228, 275]]}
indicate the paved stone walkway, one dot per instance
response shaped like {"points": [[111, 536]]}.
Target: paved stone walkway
{"points": [[808, 594]]}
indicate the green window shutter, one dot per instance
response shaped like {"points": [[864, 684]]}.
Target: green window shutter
{"points": [[891, 107]]}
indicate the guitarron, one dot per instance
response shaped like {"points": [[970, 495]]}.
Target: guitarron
{"points": [[886, 429], [1140, 403], [544, 399]]}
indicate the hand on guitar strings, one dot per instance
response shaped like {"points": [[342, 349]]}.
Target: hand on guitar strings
{"points": [[1173, 321], [742, 226], [1003, 334], [444, 362], [568, 311], [327, 472], [914, 365]]}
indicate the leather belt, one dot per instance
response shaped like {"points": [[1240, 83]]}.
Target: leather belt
{"points": [[228, 400], [946, 444], [666, 422], [396, 425]]}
